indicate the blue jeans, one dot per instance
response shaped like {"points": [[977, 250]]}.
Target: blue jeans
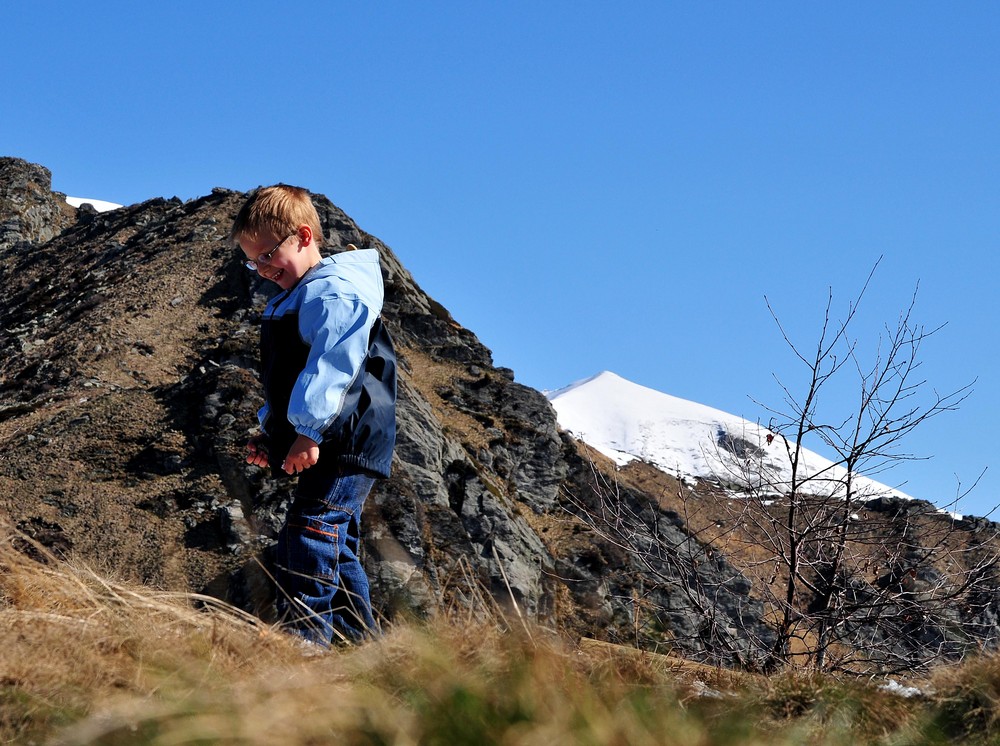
{"points": [[323, 589]]}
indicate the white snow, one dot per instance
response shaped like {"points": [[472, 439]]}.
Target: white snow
{"points": [[99, 204], [626, 421], [894, 687]]}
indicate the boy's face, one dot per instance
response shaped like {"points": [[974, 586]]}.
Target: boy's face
{"points": [[290, 256]]}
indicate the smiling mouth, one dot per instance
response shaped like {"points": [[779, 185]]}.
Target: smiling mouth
{"points": [[276, 275]]}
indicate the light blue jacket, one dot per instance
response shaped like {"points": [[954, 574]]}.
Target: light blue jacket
{"points": [[336, 304]]}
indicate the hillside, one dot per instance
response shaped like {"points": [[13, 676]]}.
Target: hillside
{"points": [[128, 384]]}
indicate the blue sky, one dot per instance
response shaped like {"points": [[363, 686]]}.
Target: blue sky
{"points": [[585, 185]]}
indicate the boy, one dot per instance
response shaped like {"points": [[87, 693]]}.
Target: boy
{"points": [[329, 375]]}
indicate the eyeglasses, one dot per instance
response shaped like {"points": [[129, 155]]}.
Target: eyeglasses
{"points": [[264, 259]]}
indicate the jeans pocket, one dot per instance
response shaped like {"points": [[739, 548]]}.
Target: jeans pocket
{"points": [[320, 530], [311, 550]]}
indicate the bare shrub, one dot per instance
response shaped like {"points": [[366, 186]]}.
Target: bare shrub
{"points": [[852, 575]]}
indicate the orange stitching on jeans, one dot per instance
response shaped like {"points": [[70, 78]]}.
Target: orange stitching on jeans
{"points": [[309, 527], [324, 533]]}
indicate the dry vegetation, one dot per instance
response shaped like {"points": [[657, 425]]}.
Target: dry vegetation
{"points": [[88, 660], [433, 377], [899, 554]]}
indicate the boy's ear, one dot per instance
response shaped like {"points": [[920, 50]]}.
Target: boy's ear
{"points": [[305, 235]]}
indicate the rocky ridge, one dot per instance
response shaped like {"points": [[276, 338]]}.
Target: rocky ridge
{"points": [[128, 386]]}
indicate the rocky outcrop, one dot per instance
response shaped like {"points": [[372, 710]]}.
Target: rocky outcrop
{"points": [[30, 212]]}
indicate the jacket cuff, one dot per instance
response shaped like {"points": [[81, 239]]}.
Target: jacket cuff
{"points": [[315, 435]]}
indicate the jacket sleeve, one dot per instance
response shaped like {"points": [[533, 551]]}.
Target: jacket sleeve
{"points": [[336, 328]]}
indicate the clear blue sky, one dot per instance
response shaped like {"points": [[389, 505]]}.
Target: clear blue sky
{"points": [[585, 185]]}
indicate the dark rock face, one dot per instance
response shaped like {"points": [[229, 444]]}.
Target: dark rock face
{"points": [[128, 387], [29, 211]]}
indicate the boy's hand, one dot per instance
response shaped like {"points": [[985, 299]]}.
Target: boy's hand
{"points": [[303, 454], [257, 451]]}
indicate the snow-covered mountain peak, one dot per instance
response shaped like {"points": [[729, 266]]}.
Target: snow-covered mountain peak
{"points": [[626, 421]]}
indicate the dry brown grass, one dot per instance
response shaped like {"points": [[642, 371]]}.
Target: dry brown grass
{"points": [[88, 660], [72, 641]]}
